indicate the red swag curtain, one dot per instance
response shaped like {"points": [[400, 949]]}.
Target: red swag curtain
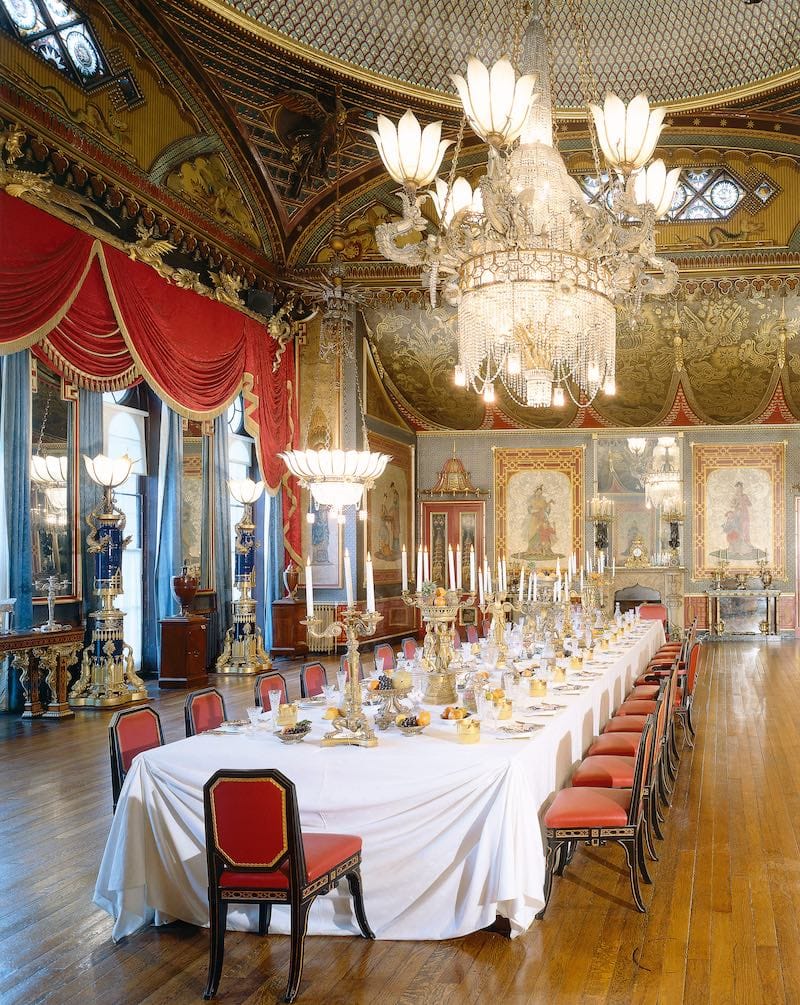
{"points": [[105, 321]]}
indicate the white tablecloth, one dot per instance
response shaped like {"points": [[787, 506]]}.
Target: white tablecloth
{"points": [[452, 834]]}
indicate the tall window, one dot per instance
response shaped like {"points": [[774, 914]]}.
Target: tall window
{"points": [[123, 432]]}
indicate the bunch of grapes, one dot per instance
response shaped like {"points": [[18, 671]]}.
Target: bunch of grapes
{"points": [[385, 683], [301, 727], [409, 720]]}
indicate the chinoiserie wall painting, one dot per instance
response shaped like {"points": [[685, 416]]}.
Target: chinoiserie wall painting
{"points": [[538, 496], [739, 507], [453, 522], [390, 508]]}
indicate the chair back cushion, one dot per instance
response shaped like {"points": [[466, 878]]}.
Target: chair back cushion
{"points": [[642, 768], [384, 657], [409, 648], [313, 678], [137, 730], [486, 627], [248, 820], [472, 634], [456, 639], [267, 682], [653, 612], [691, 674], [206, 710]]}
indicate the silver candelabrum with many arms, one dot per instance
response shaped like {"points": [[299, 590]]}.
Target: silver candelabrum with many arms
{"points": [[108, 677], [351, 728], [439, 615]]}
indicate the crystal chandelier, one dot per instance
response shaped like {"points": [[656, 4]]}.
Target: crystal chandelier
{"points": [[533, 270], [662, 482]]}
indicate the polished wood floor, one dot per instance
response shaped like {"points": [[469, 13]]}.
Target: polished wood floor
{"points": [[724, 915]]}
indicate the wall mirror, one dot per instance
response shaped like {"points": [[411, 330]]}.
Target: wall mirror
{"points": [[197, 499], [54, 422]]}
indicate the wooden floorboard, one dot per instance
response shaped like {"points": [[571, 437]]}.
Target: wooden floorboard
{"points": [[723, 923]]}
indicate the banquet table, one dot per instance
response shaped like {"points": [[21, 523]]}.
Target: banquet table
{"points": [[452, 833]]}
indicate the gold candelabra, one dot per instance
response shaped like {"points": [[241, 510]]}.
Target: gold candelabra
{"points": [[352, 728], [439, 613], [498, 605]]}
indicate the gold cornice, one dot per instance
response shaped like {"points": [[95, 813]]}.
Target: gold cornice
{"points": [[429, 96]]}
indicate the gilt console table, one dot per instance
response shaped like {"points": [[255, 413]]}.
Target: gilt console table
{"points": [[48, 654], [732, 613]]}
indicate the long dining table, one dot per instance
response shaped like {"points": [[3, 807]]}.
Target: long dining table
{"points": [[452, 832]]}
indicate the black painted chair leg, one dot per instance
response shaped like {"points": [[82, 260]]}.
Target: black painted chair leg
{"points": [[264, 917], [548, 877], [298, 935], [218, 917], [357, 893], [641, 855], [629, 844], [650, 829]]}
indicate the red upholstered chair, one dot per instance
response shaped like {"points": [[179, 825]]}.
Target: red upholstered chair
{"points": [[654, 612], [257, 854], [313, 677], [486, 627], [408, 647], [595, 815], [384, 657], [203, 710], [456, 638], [270, 681], [472, 634], [131, 731], [686, 686]]}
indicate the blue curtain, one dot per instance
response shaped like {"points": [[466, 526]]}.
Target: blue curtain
{"points": [[90, 442], [223, 574], [168, 555], [15, 435], [273, 579]]}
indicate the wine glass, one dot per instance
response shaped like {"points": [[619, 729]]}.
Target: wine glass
{"points": [[274, 695]]}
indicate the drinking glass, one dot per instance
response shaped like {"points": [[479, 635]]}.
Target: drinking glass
{"points": [[254, 714], [341, 680], [274, 695], [332, 696]]}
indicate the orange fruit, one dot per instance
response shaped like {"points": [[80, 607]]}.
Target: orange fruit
{"points": [[424, 717], [372, 685]]}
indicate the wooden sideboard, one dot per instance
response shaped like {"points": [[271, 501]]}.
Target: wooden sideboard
{"points": [[289, 636], [48, 656]]}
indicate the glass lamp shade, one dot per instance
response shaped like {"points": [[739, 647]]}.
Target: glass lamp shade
{"points": [[627, 135], [245, 490], [108, 471], [462, 197], [637, 445], [412, 155], [336, 477], [656, 185], [496, 101], [49, 469]]}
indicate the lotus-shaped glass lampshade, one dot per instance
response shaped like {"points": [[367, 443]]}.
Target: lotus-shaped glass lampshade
{"points": [[245, 490], [462, 196], [108, 471], [412, 155], [627, 135], [336, 477], [656, 185], [496, 101], [637, 445], [48, 469]]}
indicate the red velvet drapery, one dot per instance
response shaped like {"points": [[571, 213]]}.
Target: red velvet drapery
{"points": [[104, 321]]}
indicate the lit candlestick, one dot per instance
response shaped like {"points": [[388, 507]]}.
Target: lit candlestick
{"points": [[426, 565], [613, 567], [581, 581], [554, 592], [505, 575], [530, 587], [487, 579], [535, 585], [404, 568], [459, 570], [309, 590], [499, 574], [370, 585], [472, 568], [480, 588], [558, 568], [451, 568], [521, 581], [348, 578], [419, 569]]}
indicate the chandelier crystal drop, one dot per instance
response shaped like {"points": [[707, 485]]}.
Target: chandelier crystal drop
{"points": [[533, 270]]}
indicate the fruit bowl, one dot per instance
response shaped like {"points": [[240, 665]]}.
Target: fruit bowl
{"points": [[411, 724], [295, 734], [411, 730]]}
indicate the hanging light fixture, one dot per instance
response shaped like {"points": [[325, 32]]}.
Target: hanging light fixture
{"points": [[533, 270]]}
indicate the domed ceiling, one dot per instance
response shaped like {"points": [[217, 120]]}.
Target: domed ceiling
{"points": [[675, 50]]}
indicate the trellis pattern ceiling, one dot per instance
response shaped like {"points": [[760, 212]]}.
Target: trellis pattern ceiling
{"points": [[673, 49]]}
